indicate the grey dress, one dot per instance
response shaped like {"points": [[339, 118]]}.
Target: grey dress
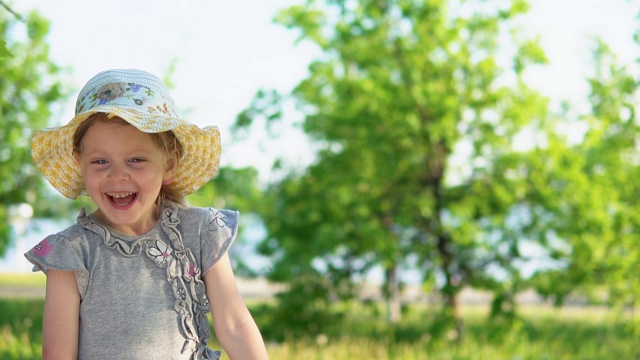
{"points": [[142, 297]]}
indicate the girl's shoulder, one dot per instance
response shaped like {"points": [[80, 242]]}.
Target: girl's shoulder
{"points": [[209, 217], [209, 232], [75, 234]]}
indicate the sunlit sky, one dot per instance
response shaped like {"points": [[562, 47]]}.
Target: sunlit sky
{"points": [[226, 50]]}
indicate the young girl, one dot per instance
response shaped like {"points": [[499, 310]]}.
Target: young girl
{"points": [[136, 278]]}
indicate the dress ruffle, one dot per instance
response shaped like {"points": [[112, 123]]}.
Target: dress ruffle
{"points": [[182, 273]]}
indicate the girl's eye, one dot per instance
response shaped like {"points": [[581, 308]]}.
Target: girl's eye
{"points": [[137, 160], [99, 162]]}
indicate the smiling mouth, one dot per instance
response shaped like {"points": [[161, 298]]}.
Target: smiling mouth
{"points": [[122, 199]]}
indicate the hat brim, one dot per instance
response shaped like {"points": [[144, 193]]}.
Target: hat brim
{"points": [[52, 150]]}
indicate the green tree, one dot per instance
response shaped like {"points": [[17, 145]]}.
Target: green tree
{"points": [[593, 209], [403, 92], [29, 86]]}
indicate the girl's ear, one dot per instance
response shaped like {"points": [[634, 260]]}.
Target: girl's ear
{"points": [[172, 165]]}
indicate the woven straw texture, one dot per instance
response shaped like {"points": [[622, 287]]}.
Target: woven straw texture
{"points": [[142, 100]]}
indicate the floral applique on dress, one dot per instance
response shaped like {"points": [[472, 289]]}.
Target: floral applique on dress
{"points": [[184, 276], [160, 252], [43, 248], [218, 218]]}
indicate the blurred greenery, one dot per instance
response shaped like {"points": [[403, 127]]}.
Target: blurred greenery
{"points": [[30, 88], [21, 328], [434, 155], [403, 86], [22, 279], [421, 166], [542, 332]]}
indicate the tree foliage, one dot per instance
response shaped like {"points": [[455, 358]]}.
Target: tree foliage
{"points": [[29, 86], [418, 119], [593, 211]]}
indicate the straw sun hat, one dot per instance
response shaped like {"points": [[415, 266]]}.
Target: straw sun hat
{"points": [[142, 100]]}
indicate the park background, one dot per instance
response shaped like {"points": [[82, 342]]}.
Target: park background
{"points": [[489, 291]]}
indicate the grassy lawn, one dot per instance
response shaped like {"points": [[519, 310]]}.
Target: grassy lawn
{"points": [[540, 332], [22, 279]]}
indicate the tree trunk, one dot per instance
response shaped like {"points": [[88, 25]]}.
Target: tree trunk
{"points": [[445, 249], [450, 289], [452, 303], [392, 294]]}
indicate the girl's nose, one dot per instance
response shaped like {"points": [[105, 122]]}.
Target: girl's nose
{"points": [[119, 172]]}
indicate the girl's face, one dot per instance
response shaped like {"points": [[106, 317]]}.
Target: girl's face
{"points": [[123, 171]]}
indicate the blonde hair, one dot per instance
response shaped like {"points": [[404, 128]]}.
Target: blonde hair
{"points": [[166, 140]]}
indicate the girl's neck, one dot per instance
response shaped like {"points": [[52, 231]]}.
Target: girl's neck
{"points": [[133, 229]]}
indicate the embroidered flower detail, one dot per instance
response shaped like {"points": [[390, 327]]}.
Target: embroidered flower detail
{"points": [[162, 109], [190, 270], [182, 293], [110, 91], [161, 253], [173, 269], [43, 248], [218, 218]]}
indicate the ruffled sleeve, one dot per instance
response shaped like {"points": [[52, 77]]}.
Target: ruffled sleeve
{"points": [[58, 253], [216, 241]]}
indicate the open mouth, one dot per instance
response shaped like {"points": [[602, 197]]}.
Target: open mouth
{"points": [[122, 199]]}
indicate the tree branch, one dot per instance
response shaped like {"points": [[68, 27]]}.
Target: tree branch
{"points": [[20, 18]]}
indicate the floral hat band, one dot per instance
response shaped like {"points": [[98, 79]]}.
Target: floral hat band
{"points": [[127, 94], [142, 100]]}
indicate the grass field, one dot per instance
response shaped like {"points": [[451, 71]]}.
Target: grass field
{"points": [[20, 279], [540, 332]]}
